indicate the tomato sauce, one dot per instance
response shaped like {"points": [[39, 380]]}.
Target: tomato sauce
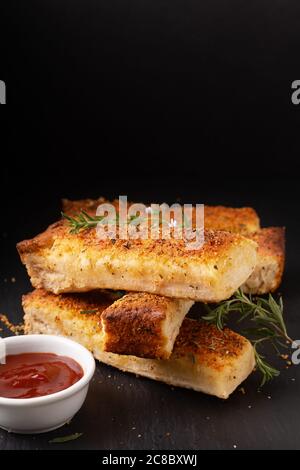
{"points": [[30, 375]]}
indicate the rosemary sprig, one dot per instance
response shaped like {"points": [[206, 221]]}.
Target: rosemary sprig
{"points": [[82, 221], [267, 317], [268, 372]]}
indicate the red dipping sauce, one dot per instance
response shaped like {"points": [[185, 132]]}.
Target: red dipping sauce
{"points": [[30, 375]]}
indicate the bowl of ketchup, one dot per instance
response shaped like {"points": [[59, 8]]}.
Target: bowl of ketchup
{"points": [[44, 381]]}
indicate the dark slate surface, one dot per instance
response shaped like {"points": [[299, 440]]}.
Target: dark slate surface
{"points": [[155, 100], [125, 412]]}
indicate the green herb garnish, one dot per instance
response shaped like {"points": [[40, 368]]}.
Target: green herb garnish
{"points": [[62, 439], [267, 317], [89, 312], [82, 221], [267, 371]]}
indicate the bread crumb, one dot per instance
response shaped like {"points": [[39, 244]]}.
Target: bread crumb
{"points": [[13, 279], [284, 356], [16, 329]]}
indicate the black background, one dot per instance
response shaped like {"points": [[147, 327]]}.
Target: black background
{"points": [[156, 100]]}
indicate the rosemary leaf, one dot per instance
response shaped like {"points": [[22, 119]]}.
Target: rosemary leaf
{"points": [[266, 316], [62, 439], [267, 371], [82, 221]]}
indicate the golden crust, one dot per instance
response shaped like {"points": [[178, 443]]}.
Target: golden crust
{"points": [[143, 325], [87, 205], [217, 218], [163, 267], [41, 241], [210, 345], [214, 347], [203, 358], [243, 220], [267, 275], [94, 303], [216, 243], [133, 325], [271, 242]]}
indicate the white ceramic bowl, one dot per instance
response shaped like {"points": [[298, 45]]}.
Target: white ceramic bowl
{"points": [[43, 414]]}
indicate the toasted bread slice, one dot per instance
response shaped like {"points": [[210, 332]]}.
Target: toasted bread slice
{"points": [[268, 271], [269, 268], [204, 358], [143, 325], [60, 261], [140, 324]]}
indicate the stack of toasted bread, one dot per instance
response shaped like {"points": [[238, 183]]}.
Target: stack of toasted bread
{"points": [[144, 330]]}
